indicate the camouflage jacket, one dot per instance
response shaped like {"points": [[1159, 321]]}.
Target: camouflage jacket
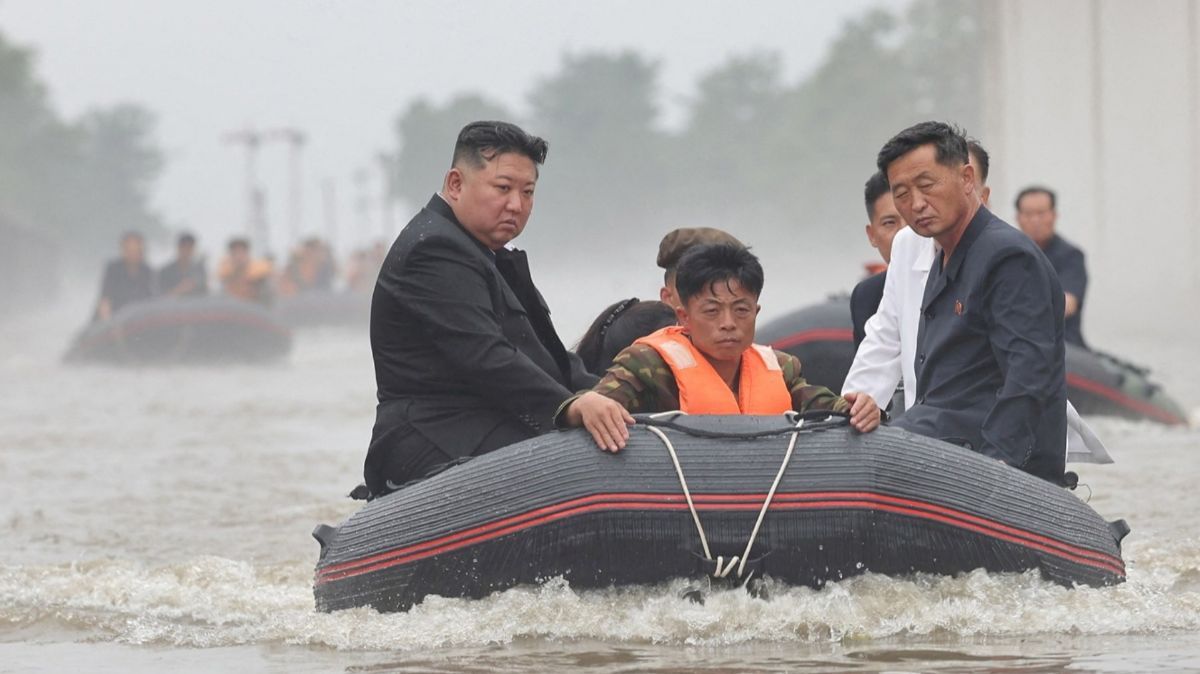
{"points": [[642, 381]]}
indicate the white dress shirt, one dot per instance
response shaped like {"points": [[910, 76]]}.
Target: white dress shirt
{"points": [[888, 353]]}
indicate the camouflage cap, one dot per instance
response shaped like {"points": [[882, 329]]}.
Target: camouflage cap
{"points": [[678, 241]]}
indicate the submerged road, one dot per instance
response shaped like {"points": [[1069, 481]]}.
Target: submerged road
{"points": [[160, 518]]}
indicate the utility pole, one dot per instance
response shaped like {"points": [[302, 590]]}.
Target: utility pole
{"points": [[256, 218], [329, 206], [295, 139], [362, 203]]}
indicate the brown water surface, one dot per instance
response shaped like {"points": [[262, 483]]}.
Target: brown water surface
{"points": [[159, 519]]}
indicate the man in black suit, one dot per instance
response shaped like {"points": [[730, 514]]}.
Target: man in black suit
{"points": [[883, 221], [185, 276], [881, 230], [1037, 214], [990, 366], [127, 279], [466, 358]]}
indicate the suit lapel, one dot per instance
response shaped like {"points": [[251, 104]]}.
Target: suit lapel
{"points": [[935, 282]]}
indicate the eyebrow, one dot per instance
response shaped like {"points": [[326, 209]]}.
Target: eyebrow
{"points": [[505, 176]]}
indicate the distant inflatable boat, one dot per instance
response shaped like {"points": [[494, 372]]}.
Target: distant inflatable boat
{"points": [[734, 497], [821, 336], [193, 330], [324, 309]]}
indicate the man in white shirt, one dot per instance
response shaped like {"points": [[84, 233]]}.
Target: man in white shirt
{"points": [[887, 355]]}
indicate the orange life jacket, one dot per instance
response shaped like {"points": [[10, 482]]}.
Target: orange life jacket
{"points": [[761, 389]]}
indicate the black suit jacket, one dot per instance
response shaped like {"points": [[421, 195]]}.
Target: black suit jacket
{"points": [[864, 302], [457, 352], [991, 371], [1069, 262]]}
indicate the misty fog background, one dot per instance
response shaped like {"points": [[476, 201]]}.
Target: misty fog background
{"points": [[760, 118], [163, 514], [770, 141]]}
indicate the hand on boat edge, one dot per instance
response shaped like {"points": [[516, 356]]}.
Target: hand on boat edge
{"points": [[864, 412]]}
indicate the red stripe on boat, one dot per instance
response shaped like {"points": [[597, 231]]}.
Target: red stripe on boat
{"points": [[816, 335], [719, 502], [1123, 400]]}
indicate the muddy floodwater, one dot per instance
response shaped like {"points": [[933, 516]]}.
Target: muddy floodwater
{"points": [[159, 520]]}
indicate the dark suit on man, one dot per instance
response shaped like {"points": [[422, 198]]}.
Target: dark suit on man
{"points": [[170, 276], [121, 286], [990, 368], [466, 357], [1068, 261], [864, 302]]}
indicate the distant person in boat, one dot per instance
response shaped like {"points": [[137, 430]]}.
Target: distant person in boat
{"points": [[245, 277], [674, 245], [709, 363], [466, 358], [185, 276], [1037, 214], [126, 280], [618, 326], [990, 364], [883, 221], [363, 268], [310, 268]]}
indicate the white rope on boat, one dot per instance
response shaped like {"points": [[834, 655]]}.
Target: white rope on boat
{"points": [[686, 494], [721, 568], [787, 457]]}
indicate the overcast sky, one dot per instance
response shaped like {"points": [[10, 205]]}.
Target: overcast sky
{"points": [[341, 70]]}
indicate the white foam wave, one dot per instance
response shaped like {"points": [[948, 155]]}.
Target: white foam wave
{"points": [[212, 601]]}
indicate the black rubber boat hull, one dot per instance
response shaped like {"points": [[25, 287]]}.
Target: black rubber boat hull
{"points": [[194, 330], [821, 336], [888, 502]]}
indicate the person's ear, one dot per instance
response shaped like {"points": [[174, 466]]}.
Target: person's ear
{"points": [[871, 236], [681, 316], [968, 176], [986, 196], [452, 185]]}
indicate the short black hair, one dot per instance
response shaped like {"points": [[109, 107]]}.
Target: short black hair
{"points": [[949, 141], [618, 326], [480, 142], [239, 242], [705, 266], [186, 239], [877, 186], [981, 157], [1036, 189]]}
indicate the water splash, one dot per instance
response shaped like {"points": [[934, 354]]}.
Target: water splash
{"points": [[211, 601]]}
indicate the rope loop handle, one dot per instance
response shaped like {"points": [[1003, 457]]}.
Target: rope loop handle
{"points": [[722, 569]]}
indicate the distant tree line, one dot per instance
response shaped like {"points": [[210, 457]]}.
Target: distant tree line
{"points": [[74, 183], [757, 155]]}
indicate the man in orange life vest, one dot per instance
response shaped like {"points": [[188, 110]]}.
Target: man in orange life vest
{"points": [[708, 364]]}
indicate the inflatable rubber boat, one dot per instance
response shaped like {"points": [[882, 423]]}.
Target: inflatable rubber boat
{"points": [[802, 501], [319, 308], [202, 329], [821, 336]]}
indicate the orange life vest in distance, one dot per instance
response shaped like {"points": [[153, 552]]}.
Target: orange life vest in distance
{"points": [[761, 389]]}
